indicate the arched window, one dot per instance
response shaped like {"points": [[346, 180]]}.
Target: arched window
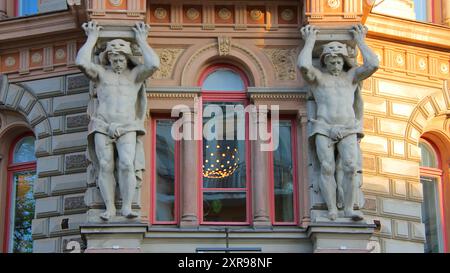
{"points": [[225, 149], [431, 177], [20, 201], [223, 79]]}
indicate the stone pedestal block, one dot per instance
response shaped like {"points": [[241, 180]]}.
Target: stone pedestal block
{"points": [[340, 236], [113, 238]]}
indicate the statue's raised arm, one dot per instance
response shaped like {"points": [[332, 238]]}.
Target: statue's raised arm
{"points": [[151, 59], [370, 60], [84, 57], [309, 72]]}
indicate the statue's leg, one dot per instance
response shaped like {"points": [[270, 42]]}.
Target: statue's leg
{"points": [[126, 149], [327, 183], [106, 182], [348, 151]]}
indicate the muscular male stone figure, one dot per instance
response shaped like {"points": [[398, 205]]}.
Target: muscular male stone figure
{"points": [[338, 118], [118, 117]]}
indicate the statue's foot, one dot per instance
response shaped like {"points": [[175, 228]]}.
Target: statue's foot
{"points": [[107, 215], [332, 215], [128, 213], [354, 216]]}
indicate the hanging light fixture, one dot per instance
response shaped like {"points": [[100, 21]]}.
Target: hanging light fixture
{"points": [[220, 161]]}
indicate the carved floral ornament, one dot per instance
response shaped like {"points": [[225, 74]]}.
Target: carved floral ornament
{"points": [[60, 54], [334, 4], [10, 61], [224, 14], [283, 62], [160, 13], [444, 68], [399, 59], [116, 2], [224, 44], [256, 14], [422, 64], [192, 13], [36, 57], [168, 58], [287, 14]]}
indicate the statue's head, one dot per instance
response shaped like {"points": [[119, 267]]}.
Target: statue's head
{"points": [[118, 54], [335, 58], [118, 62]]}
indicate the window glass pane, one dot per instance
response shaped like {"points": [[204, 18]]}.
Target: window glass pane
{"points": [[24, 150], [23, 211], [224, 206], [223, 79], [430, 213], [165, 171], [428, 156], [420, 8], [224, 160], [283, 175], [28, 7]]}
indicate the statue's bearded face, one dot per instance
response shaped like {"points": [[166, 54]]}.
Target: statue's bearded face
{"points": [[334, 64], [118, 62]]}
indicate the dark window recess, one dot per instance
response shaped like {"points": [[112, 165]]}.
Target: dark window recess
{"points": [[65, 223]]}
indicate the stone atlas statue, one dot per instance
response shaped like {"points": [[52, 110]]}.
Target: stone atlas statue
{"points": [[335, 126], [117, 111]]}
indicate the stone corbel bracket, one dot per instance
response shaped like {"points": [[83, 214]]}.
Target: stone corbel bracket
{"points": [[117, 12]]}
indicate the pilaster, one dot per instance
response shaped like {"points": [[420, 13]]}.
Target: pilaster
{"points": [[261, 216], [189, 173]]}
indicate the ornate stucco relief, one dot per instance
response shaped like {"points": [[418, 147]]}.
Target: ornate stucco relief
{"points": [[224, 44], [283, 61], [168, 57]]}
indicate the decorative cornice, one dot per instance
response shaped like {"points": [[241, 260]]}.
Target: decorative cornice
{"points": [[277, 96], [277, 90], [171, 95], [37, 26], [277, 93], [382, 26], [173, 91]]}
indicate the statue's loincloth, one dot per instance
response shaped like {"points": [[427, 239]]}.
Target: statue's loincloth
{"points": [[334, 132], [114, 130], [97, 125]]}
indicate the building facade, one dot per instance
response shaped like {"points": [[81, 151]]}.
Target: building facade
{"points": [[203, 195]]}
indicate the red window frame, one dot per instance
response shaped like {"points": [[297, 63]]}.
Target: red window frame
{"points": [[438, 174], [155, 118], [224, 96], [11, 169], [295, 204]]}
